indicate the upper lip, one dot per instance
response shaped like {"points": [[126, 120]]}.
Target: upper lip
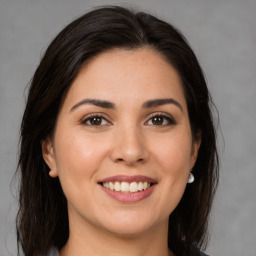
{"points": [[126, 178]]}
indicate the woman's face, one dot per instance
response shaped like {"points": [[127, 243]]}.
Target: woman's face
{"points": [[122, 147]]}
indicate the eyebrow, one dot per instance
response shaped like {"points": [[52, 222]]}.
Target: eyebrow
{"points": [[98, 103], [160, 102], [110, 105]]}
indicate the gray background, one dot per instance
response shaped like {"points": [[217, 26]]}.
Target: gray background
{"points": [[223, 35]]}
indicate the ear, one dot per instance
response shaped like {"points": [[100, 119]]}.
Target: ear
{"points": [[195, 148], [49, 157]]}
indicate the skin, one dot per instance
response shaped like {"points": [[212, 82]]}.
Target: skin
{"points": [[125, 141]]}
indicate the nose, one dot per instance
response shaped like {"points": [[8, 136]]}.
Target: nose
{"points": [[129, 146]]}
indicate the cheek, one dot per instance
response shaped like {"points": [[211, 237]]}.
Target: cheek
{"points": [[172, 158], [77, 158], [175, 154], [77, 161]]}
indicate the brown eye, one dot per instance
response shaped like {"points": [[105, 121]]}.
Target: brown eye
{"points": [[161, 120], [157, 120], [95, 120]]}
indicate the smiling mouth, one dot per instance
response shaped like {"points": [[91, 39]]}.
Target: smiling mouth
{"points": [[127, 187]]}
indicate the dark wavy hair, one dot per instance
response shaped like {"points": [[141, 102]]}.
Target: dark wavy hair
{"points": [[42, 219]]}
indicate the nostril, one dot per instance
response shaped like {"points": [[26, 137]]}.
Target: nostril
{"points": [[129, 162], [119, 160]]}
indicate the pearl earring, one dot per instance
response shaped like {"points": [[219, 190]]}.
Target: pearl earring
{"points": [[191, 177]]}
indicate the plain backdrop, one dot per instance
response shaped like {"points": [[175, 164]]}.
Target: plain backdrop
{"points": [[223, 36]]}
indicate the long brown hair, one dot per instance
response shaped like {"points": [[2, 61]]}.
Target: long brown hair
{"points": [[42, 220]]}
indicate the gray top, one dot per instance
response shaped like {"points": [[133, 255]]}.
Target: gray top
{"points": [[55, 252]]}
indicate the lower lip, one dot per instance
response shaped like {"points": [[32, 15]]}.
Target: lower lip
{"points": [[129, 197]]}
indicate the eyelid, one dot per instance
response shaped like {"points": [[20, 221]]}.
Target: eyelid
{"points": [[96, 114], [167, 116]]}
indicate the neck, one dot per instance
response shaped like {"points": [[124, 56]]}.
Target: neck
{"points": [[87, 240]]}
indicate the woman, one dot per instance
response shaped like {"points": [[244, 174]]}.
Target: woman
{"points": [[118, 147]]}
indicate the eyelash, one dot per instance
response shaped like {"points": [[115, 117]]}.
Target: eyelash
{"points": [[167, 120], [94, 115]]}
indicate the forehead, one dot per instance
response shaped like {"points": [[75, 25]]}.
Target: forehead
{"points": [[131, 74]]}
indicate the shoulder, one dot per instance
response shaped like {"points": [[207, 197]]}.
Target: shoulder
{"points": [[53, 252]]}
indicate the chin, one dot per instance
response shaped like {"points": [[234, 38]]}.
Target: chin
{"points": [[131, 225], [128, 230]]}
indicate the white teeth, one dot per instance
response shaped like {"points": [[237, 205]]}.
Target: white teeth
{"points": [[133, 187], [117, 186], [140, 186], [111, 186], [106, 185], [127, 187]]}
